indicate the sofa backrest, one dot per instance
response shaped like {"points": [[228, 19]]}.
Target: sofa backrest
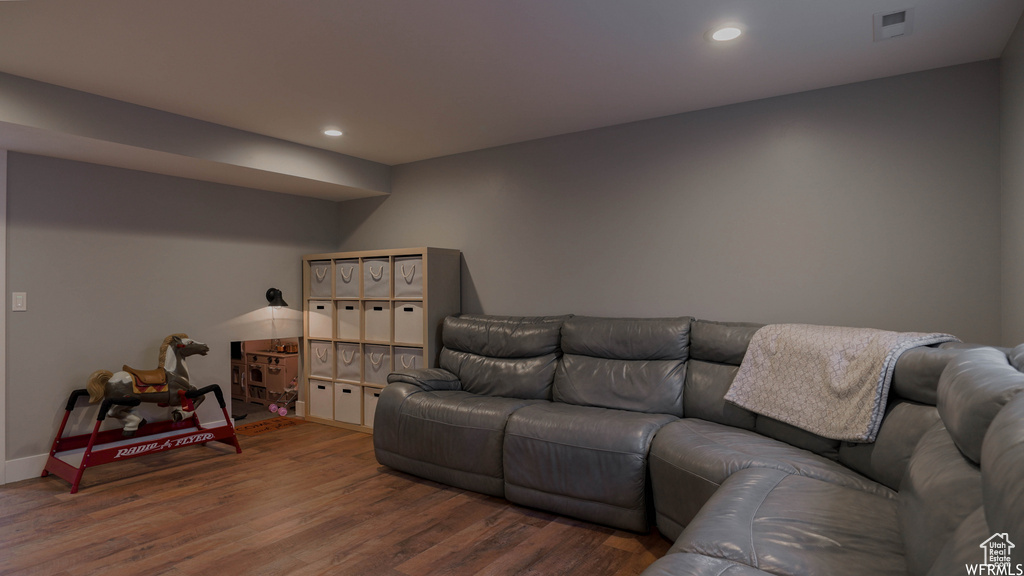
{"points": [[1000, 520], [1002, 472], [916, 377], [716, 351], [636, 364], [909, 413], [970, 398], [967, 467], [509, 356], [940, 488]]}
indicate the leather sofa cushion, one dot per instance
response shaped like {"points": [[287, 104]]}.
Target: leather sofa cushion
{"points": [[456, 436], [790, 434], [1002, 511], [788, 524], [704, 398], [691, 458], [581, 461], [652, 386], [1003, 469], [714, 348], [1016, 356], [983, 380], [698, 565], [509, 356], [964, 548], [720, 342], [916, 374], [502, 336], [940, 488], [704, 395], [885, 460], [627, 338], [972, 389], [507, 377], [715, 452], [636, 364]]}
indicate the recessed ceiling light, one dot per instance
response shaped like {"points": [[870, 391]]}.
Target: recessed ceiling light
{"points": [[332, 132], [727, 33]]}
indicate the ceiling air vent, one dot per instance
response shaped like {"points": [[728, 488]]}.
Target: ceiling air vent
{"points": [[894, 24]]}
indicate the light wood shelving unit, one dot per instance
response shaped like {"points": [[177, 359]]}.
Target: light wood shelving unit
{"points": [[366, 314]]}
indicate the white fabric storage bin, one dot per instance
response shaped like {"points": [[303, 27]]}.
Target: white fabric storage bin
{"points": [[348, 320], [346, 278], [321, 399], [348, 403], [408, 358], [408, 277], [376, 278], [377, 321], [370, 396], [409, 322], [320, 320], [321, 359], [320, 279], [376, 364], [348, 362]]}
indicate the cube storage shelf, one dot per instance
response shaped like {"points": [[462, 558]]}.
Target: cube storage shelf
{"points": [[367, 314]]}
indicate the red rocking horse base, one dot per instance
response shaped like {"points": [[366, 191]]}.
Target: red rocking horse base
{"points": [[111, 445]]}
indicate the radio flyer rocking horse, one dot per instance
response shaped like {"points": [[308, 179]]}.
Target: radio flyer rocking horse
{"points": [[120, 393], [166, 385]]}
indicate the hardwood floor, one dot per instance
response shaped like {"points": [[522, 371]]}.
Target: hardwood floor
{"points": [[303, 500]]}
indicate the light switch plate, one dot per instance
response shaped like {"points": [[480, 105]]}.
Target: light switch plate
{"points": [[19, 301]]}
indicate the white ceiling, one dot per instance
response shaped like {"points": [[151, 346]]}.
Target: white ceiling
{"points": [[414, 79]]}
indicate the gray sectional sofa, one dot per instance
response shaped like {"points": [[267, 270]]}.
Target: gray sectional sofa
{"points": [[623, 422]]}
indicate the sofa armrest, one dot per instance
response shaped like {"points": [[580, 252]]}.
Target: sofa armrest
{"points": [[427, 379]]}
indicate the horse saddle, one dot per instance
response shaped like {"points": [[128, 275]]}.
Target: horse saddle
{"points": [[157, 377]]}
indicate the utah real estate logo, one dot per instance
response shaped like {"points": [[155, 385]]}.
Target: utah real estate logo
{"points": [[996, 558]]}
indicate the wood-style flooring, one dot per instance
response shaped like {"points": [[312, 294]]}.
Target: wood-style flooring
{"points": [[303, 500]]}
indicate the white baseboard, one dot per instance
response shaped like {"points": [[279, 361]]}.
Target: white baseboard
{"points": [[300, 409], [25, 468], [32, 466]]}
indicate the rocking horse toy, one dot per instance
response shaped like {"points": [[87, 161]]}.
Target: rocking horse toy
{"points": [[120, 393], [160, 385]]}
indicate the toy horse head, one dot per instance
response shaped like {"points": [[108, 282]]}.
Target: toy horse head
{"points": [[187, 347], [180, 347], [183, 346]]}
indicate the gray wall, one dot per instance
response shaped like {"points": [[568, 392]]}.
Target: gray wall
{"points": [[1012, 166], [114, 260], [873, 204]]}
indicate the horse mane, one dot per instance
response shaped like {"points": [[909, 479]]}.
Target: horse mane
{"points": [[165, 345]]}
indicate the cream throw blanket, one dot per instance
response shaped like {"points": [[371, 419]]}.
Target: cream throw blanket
{"points": [[832, 381]]}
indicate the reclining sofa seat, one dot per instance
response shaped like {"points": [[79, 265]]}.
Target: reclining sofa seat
{"points": [[507, 414], [448, 424], [766, 519], [585, 453], [690, 459]]}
